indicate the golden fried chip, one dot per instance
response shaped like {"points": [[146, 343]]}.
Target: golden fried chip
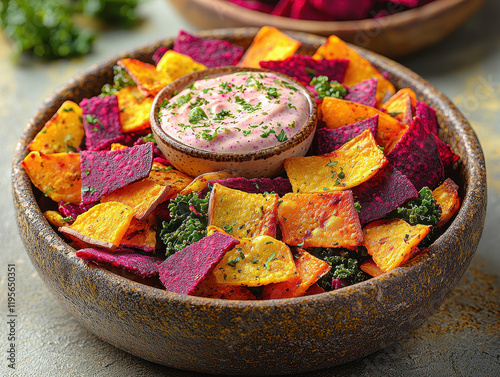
{"points": [[168, 176], [369, 267], [148, 79], [55, 218], [200, 182], [338, 113], [241, 214], [352, 164], [320, 220], [117, 146], [391, 242], [134, 109], [143, 196], [64, 132], [210, 288], [177, 65], [141, 234], [257, 261], [103, 225], [269, 44], [57, 175], [447, 197], [400, 106], [359, 69]]}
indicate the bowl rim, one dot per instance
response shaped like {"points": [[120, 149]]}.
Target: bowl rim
{"points": [[182, 82], [24, 196]]}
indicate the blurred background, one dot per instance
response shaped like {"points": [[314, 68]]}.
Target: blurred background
{"points": [[61, 39]]}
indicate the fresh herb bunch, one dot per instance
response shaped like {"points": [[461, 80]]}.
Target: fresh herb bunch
{"points": [[345, 265], [121, 79], [188, 224], [423, 210], [116, 12], [326, 88]]}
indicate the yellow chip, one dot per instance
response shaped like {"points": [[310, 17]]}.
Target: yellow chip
{"points": [[148, 79], [57, 175], [200, 182], [134, 109], [117, 147], [103, 225], [141, 234], [369, 267], [257, 261], [241, 214], [55, 218], [210, 288], [447, 197], [168, 176], [269, 44], [359, 68], [352, 164], [64, 132], [142, 196], [392, 242], [177, 65]]}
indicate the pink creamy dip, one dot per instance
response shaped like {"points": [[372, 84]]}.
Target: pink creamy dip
{"points": [[236, 113]]}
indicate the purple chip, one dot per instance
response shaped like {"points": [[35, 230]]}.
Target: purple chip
{"points": [[186, 269], [103, 172], [158, 54], [416, 155], [304, 10], [258, 6], [383, 193], [210, 52], [72, 210], [303, 68], [283, 8], [427, 116], [279, 185], [101, 119], [364, 93], [448, 157], [344, 9], [145, 266], [327, 140]]}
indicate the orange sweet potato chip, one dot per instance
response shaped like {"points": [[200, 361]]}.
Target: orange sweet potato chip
{"points": [[359, 69], [210, 288], [55, 218], [338, 113], [177, 65], [241, 214], [391, 242], [134, 109], [62, 133], [369, 267], [200, 182], [447, 197], [57, 175], [141, 234], [401, 93], [142, 196], [257, 261], [310, 270], [400, 107], [103, 225], [269, 44], [352, 164], [148, 79], [168, 176], [320, 220], [117, 146]]}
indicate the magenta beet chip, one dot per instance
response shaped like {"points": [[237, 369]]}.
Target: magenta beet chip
{"points": [[327, 140], [427, 116], [304, 68], [72, 210], [158, 54], [279, 185], [364, 93], [103, 172], [417, 156], [253, 5], [448, 157], [210, 52], [283, 8], [383, 193], [101, 120], [183, 271], [304, 10], [344, 9], [145, 266]]}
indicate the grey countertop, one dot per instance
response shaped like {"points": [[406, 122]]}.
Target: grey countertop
{"points": [[461, 339]]}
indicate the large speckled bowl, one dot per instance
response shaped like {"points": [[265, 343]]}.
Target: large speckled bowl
{"points": [[258, 337], [266, 162]]}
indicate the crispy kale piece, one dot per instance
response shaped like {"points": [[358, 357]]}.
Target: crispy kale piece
{"points": [[345, 265], [115, 12], [121, 79], [188, 224], [422, 210], [328, 89]]}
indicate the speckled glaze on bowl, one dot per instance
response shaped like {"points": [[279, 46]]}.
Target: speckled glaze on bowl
{"points": [[257, 337], [261, 163]]}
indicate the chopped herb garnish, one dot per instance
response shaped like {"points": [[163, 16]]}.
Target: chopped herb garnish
{"points": [[271, 257], [281, 136], [196, 115]]}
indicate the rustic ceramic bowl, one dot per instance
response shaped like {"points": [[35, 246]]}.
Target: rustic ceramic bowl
{"points": [[257, 337], [397, 35], [261, 163]]}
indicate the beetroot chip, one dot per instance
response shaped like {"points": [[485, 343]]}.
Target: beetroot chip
{"points": [[448, 157], [303, 68], [344, 9], [145, 266], [383, 193], [186, 269], [427, 116], [279, 185], [158, 54], [106, 171], [72, 210], [327, 140], [416, 155], [304, 10], [210, 52], [259, 6], [283, 8], [101, 119], [364, 93]]}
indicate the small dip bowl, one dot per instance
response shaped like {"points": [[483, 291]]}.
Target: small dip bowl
{"points": [[266, 162]]}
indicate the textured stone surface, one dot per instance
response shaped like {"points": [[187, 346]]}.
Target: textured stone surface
{"points": [[461, 338]]}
